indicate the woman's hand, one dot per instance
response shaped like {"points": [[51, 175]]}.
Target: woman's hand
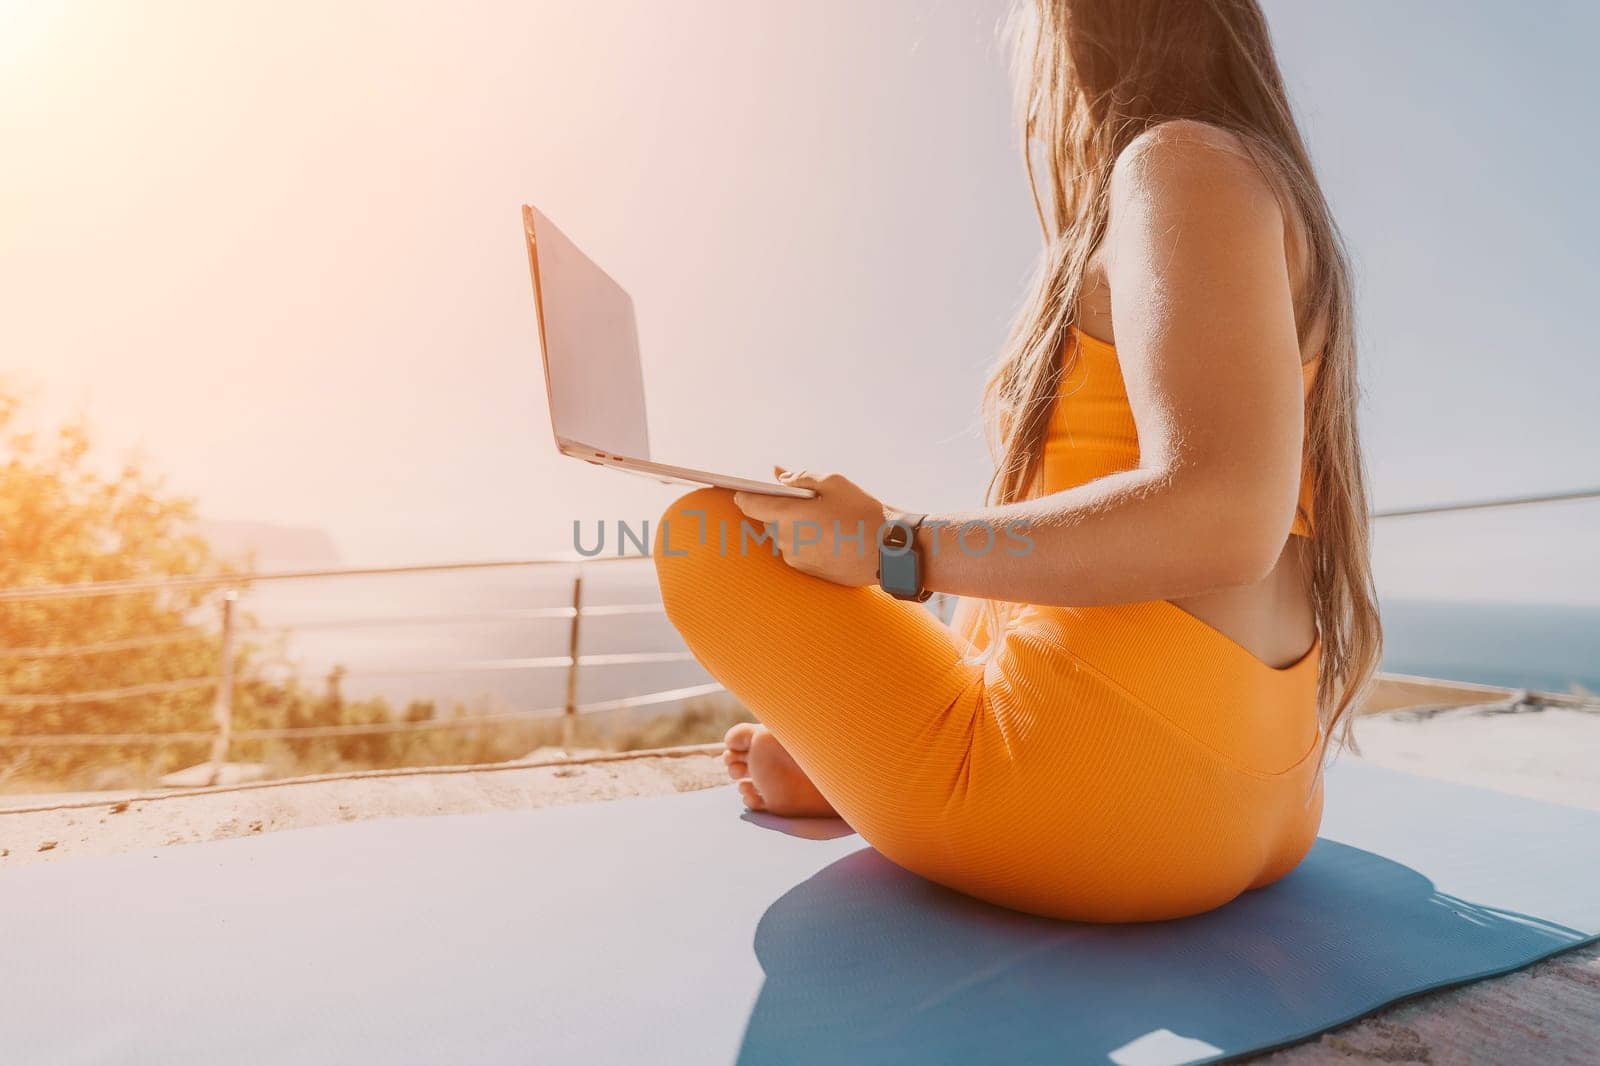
{"points": [[833, 535]]}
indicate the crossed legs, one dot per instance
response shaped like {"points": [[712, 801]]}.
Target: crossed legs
{"points": [[871, 699]]}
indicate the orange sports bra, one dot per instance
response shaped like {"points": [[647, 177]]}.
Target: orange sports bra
{"points": [[1092, 433]]}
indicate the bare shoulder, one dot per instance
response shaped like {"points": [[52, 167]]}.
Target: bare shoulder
{"points": [[1183, 167], [1197, 229]]}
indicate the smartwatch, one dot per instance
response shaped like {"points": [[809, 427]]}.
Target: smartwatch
{"points": [[900, 560]]}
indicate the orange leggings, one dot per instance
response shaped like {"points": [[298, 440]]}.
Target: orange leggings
{"points": [[1105, 764]]}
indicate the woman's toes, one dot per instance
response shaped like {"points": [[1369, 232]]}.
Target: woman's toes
{"points": [[750, 795], [768, 777], [782, 785], [740, 737], [736, 749]]}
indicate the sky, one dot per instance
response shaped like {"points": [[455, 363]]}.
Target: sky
{"points": [[275, 250]]}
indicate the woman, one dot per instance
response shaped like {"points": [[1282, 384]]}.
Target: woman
{"points": [[1167, 607]]}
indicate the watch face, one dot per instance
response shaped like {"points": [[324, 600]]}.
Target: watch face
{"points": [[899, 573]]}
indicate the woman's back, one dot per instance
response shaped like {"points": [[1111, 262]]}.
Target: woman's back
{"points": [[1271, 618]]}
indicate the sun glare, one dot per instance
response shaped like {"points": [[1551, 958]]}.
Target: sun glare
{"points": [[26, 27]]}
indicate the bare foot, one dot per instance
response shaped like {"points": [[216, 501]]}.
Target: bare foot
{"points": [[768, 777]]}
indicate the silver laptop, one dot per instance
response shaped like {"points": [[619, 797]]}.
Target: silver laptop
{"points": [[592, 375]]}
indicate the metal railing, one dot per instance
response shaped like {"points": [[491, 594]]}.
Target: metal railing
{"points": [[1487, 504], [223, 736]]}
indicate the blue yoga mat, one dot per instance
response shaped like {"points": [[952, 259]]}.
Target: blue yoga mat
{"points": [[676, 930]]}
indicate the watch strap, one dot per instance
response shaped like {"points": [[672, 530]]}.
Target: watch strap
{"points": [[911, 523]]}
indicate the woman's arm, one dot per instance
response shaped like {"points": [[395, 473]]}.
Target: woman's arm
{"points": [[1205, 333]]}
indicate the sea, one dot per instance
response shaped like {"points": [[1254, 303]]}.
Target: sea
{"points": [[461, 638], [1543, 647]]}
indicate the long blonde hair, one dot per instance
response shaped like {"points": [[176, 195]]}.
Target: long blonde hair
{"points": [[1092, 76]]}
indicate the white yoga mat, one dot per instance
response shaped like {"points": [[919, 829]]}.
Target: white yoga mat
{"points": [[673, 930]]}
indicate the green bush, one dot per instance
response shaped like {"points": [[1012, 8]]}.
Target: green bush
{"points": [[65, 520]]}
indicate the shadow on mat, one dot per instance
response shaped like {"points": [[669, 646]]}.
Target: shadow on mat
{"points": [[803, 828], [866, 962]]}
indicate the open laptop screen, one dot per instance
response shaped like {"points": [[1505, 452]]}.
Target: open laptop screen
{"points": [[591, 345]]}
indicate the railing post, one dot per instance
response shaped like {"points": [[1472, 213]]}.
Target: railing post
{"points": [[569, 714], [222, 709]]}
